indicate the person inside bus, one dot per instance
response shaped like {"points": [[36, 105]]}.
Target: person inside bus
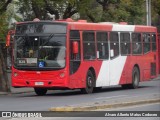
{"points": [[136, 48]]}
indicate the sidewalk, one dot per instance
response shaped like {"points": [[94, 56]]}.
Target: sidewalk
{"points": [[17, 91]]}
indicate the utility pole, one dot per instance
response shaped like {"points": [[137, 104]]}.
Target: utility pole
{"points": [[148, 12]]}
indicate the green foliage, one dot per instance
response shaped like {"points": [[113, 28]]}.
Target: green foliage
{"points": [[156, 4], [24, 9], [3, 26], [6, 18], [156, 13], [90, 10], [3, 19], [130, 11]]}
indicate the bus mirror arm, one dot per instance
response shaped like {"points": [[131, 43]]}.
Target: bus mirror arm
{"points": [[75, 47]]}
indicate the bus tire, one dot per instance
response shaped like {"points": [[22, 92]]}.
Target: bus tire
{"points": [[40, 91], [90, 80], [135, 78]]}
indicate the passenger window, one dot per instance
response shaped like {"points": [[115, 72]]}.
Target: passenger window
{"points": [[102, 45], [114, 44], [75, 59], [75, 36], [146, 42], [125, 43], [153, 38], [136, 43], [89, 45]]}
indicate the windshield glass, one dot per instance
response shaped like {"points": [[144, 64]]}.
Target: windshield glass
{"points": [[45, 51], [40, 28]]}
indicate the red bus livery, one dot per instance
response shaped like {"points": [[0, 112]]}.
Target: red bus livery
{"points": [[71, 54]]}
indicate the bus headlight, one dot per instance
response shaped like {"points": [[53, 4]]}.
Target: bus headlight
{"points": [[62, 75], [15, 74]]}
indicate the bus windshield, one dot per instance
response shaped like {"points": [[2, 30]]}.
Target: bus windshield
{"points": [[40, 51]]}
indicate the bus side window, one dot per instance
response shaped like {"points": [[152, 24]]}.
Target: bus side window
{"points": [[102, 45], [136, 43], [75, 59], [153, 38], [146, 43], [74, 37], [89, 45], [125, 43], [114, 44]]}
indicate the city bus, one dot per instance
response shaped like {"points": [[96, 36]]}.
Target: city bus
{"points": [[68, 54]]}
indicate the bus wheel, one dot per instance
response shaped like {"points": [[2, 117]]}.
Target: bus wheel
{"points": [[135, 78], [89, 83], [40, 91]]}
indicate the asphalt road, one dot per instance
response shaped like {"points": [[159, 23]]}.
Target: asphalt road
{"points": [[150, 107], [31, 102], [145, 107]]}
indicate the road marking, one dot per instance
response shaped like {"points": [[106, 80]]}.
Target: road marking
{"points": [[128, 107], [126, 96], [111, 97]]}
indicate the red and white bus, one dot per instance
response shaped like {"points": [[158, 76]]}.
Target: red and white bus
{"points": [[80, 55]]}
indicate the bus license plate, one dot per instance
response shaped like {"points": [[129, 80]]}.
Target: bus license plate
{"points": [[39, 83]]}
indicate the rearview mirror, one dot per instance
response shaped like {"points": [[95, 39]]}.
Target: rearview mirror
{"points": [[8, 39]]}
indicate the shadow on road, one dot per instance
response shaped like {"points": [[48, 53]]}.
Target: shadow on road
{"points": [[78, 92]]}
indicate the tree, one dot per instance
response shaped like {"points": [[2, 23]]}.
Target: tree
{"points": [[156, 4], [4, 5], [3, 26], [4, 83], [130, 11], [3, 16], [41, 9], [156, 13]]}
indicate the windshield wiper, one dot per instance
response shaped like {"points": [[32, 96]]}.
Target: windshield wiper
{"points": [[51, 35]]}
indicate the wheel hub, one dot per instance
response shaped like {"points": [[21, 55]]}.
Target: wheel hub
{"points": [[89, 81]]}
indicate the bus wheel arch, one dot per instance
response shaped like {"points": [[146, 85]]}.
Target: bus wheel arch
{"points": [[90, 81], [135, 79]]}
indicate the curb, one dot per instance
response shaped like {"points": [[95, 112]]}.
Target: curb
{"points": [[105, 106], [4, 93], [9, 93]]}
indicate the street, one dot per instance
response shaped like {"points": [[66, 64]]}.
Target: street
{"points": [[150, 107], [31, 102]]}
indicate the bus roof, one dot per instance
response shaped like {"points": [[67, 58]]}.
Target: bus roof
{"points": [[106, 26]]}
